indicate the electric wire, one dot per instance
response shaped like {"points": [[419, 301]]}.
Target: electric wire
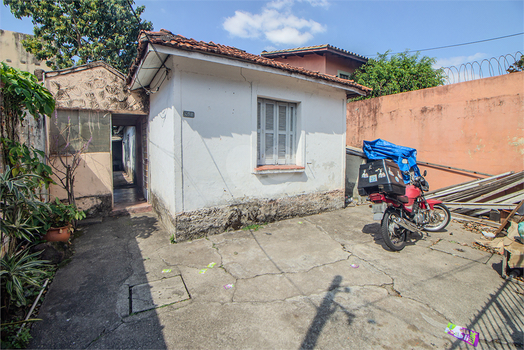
{"points": [[455, 45]]}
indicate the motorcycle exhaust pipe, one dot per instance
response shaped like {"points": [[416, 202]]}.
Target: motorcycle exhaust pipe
{"points": [[407, 225]]}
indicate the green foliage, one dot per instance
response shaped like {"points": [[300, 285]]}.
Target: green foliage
{"points": [[12, 340], [25, 160], [63, 214], [400, 73], [254, 227], [22, 95], [81, 31], [18, 271], [23, 216], [518, 66]]}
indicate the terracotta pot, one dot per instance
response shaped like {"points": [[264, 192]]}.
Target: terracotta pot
{"points": [[58, 234]]}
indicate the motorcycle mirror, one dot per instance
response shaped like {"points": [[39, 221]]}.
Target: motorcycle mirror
{"points": [[425, 172]]}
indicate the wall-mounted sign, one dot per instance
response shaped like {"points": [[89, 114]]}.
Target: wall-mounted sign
{"points": [[189, 114]]}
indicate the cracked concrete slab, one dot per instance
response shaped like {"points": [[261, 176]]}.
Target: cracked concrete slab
{"points": [[209, 286], [292, 288], [456, 249], [156, 294]]}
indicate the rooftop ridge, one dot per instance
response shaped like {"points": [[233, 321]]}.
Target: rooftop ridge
{"points": [[168, 39]]}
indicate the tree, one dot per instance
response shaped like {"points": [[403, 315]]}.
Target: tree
{"points": [[518, 66], [402, 72], [71, 32], [21, 95]]}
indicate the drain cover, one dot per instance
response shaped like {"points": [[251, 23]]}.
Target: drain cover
{"points": [[153, 295]]}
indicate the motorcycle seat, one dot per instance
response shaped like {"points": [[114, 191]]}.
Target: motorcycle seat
{"points": [[403, 199]]}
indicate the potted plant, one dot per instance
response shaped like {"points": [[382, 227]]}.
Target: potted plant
{"points": [[60, 222]]}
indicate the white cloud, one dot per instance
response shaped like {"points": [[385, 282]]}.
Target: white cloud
{"points": [[458, 60], [321, 3], [276, 23]]}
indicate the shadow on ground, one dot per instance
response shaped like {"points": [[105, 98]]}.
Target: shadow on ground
{"points": [[87, 300]]}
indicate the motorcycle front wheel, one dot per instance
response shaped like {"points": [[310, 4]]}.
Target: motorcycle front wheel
{"points": [[394, 235], [439, 218]]}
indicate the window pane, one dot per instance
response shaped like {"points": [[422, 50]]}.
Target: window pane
{"points": [[259, 106], [282, 118], [71, 130], [270, 113], [291, 117], [291, 146], [282, 146], [269, 146]]}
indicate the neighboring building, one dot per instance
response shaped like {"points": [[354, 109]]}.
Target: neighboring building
{"points": [[12, 52], [325, 59], [236, 138], [94, 98]]}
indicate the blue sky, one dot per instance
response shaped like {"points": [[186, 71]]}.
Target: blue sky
{"points": [[362, 27]]}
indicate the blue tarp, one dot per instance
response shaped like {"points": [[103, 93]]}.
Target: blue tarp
{"points": [[405, 157]]}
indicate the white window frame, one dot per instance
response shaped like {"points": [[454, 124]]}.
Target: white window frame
{"points": [[278, 153]]}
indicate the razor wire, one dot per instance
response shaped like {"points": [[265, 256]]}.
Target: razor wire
{"points": [[485, 68]]}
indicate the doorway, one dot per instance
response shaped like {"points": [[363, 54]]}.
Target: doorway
{"points": [[128, 147]]}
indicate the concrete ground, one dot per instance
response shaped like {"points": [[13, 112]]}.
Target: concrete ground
{"points": [[325, 281]]}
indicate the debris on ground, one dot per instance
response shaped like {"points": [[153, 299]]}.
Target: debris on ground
{"points": [[466, 335], [498, 197]]}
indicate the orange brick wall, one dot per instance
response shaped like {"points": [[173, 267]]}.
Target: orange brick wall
{"points": [[476, 125]]}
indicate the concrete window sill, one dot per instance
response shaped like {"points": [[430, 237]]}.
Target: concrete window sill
{"points": [[277, 169]]}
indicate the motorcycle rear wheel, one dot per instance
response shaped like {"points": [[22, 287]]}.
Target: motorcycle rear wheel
{"points": [[394, 235], [440, 220]]}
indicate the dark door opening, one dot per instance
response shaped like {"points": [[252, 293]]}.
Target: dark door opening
{"points": [[128, 163]]}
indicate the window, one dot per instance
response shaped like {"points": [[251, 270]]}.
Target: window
{"points": [[343, 75], [72, 129], [276, 132]]}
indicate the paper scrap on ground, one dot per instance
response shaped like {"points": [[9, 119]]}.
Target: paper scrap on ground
{"points": [[166, 270], [202, 271], [354, 266], [229, 286], [211, 265], [463, 334]]}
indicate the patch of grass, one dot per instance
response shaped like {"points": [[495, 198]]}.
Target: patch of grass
{"points": [[254, 227], [172, 239]]}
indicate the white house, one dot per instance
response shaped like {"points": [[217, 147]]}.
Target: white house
{"points": [[236, 138]]}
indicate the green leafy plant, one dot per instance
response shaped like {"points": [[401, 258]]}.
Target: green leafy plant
{"points": [[399, 73], [22, 95], [12, 339], [18, 271], [62, 214], [27, 160], [23, 216], [77, 32]]}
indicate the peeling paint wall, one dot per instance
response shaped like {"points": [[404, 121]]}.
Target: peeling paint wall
{"points": [[94, 86], [476, 125]]}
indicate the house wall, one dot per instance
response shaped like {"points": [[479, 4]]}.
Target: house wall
{"points": [[12, 52], [476, 125], [313, 62], [336, 63], [202, 168], [93, 183], [98, 90]]}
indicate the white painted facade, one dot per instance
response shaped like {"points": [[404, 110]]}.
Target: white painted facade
{"points": [[210, 160]]}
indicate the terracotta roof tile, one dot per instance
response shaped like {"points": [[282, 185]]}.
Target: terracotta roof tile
{"points": [[312, 49], [168, 39]]}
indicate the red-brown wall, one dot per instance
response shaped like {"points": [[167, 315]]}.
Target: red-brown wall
{"points": [[476, 125]]}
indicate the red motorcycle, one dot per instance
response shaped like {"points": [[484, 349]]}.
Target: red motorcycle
{"points": [[402, 209]]}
